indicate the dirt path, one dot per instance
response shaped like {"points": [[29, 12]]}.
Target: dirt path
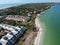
{"points": [[30, 39]]}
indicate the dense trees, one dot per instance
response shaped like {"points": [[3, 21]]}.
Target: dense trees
{"points": [[22, 9]]}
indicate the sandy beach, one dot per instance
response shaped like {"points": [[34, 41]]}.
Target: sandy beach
{"points": [[39, 33]]}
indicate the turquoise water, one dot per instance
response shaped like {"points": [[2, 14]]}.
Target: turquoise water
{"points": [[51, 29]]}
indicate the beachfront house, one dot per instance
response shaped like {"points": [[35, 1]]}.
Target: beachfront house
{"points": [[38, 14]]}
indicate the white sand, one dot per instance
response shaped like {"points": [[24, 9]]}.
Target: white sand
{"points": [[39, 34]]}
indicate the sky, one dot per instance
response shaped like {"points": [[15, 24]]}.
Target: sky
{"points": [[26, 1]]}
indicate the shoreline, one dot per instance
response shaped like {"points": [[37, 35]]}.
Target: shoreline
{"points": [[37, 38], [39, 33], [38, 26]]}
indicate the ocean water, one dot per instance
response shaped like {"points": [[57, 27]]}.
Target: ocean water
{"points": [[2, 6], [51, 26]]}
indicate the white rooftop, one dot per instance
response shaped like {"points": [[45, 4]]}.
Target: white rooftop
{"points": [[9, 36], [14, 32], [3, 42]]}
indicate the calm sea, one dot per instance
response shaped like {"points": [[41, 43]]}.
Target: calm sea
{"points": [[2, 6], [51, 26]]}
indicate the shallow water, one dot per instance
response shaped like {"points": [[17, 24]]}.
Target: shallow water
{"points": [[51, 29]]}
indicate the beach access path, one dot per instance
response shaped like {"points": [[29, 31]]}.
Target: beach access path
{"points": [[30, 39]]}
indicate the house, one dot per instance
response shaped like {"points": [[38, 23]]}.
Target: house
{"points": [[18, 28], [29, 14], [11, 37], [4, 41], [16, 33], [38, 14], [26, 19], [1, 17], [34, 12], [8, 27]]}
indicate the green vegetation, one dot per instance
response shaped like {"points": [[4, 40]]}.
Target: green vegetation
{"points": [[23, 10]]}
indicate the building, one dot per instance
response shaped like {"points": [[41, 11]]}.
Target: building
{"points": [[26, 19], [14, 17], [4, 41], [16, 33], [17, 18], [29, 14], [11, 37], [8, 27], [35, 12], [38, 14]]}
